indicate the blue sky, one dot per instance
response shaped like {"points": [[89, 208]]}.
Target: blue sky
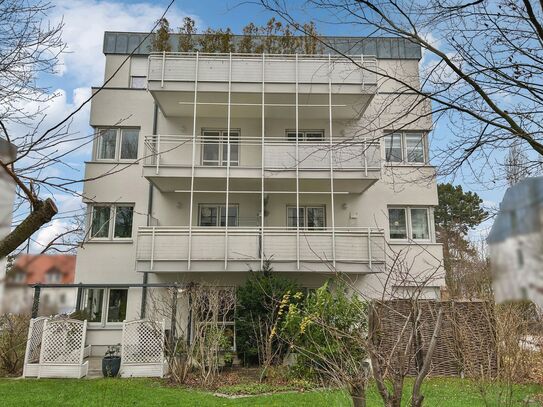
{"points": [[83, 64]]}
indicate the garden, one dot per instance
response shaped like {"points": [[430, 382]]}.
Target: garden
{"points": [[272, 342]]}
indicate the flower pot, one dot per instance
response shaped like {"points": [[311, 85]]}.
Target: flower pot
{"points": [[111, 366]]}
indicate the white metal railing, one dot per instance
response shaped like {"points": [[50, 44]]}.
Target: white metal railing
{"points": [[275, 68], [279, 154], [343, 244]]}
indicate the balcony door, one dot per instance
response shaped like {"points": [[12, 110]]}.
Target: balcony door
{"points": [[215, 148], [214, 215]]}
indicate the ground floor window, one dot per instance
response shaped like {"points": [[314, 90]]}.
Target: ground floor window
{"points": [[104, 305], [311, 217]]}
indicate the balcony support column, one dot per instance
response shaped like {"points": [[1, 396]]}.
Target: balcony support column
{"points": [[297, 176], [227, 164], [191, 204], [262, 163], [331, 157]]}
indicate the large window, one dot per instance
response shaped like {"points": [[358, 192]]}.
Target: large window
{"points": [[111, 221], [215, 148], [308, 136], [117, 144], [104, 305], [409, 222], [405, 147], [214, 215], [311, 217]]}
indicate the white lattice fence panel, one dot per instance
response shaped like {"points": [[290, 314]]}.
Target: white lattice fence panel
{"points": [[143, 342], [63, 341], [34, 340]]}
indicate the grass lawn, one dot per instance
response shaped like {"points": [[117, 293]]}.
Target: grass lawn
{"points": [[147, 392]]}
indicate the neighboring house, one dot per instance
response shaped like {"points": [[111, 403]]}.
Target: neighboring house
{"points": [[8, 152], [218, 162], [31, 269], [516, 245]]}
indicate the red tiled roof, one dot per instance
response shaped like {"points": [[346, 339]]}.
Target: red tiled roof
{"points": [[37, 266]]}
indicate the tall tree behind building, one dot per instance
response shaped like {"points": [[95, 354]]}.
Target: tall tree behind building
{"points": [[458, 212]]}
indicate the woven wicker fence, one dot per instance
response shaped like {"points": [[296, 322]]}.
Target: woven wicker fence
{"points": [[466, 344]]}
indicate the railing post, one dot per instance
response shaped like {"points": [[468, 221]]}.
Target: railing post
{"points": [[152, 248], [262, 159], [370, 255], [163, 66], [227, 164], [331, 146], [36, 301], [157, 154], [193, 163], [365, 157], [297, 176]]}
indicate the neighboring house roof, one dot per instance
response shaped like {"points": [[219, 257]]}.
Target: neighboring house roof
{"points": [[380, 47], [519, 212], [37, 268]]}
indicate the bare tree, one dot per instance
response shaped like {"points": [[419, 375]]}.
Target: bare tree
{"points": [[482, 68], [31, 46]]}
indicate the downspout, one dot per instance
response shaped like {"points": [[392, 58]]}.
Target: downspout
{"points": [[149, 215]]}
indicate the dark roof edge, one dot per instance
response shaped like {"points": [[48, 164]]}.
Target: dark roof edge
{"points": [[122, 43]]}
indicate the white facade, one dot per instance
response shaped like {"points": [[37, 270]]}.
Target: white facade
{"points": [[268, 137]]}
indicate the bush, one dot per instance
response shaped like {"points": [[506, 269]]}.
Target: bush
{"points": [[13, 337], [257, 314], [328, 332]]}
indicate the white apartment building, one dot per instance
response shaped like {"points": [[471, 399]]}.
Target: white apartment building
{"points": [[210, 157]]}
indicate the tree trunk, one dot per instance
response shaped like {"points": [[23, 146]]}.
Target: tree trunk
{"points": [[358, 394], [43, 213]]}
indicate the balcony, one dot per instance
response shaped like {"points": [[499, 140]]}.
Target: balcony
{"points": [[200, 249], [253, 80], [355, 164]]}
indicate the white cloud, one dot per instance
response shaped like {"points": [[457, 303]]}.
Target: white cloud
{"points": [[85, 22], [47, 234]]}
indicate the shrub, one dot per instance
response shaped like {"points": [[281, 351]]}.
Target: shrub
{"points": [[13, 337], [257, 314]]}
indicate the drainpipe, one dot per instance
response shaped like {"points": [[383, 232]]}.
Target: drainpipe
{"points": [[149, 214]]}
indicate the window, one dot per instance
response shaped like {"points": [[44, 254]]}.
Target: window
{"points": [[214, 215], [397, 223], [405, 147], [412, 222], [116, 309], [111, 220], [138, 82], [419, 224], [311, 217], [103, 305], [215, 148], [309, 136], [53, 276], [117, 144]]}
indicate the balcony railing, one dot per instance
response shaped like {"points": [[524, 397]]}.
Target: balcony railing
{"points": [[243, 245], [279, 154], [247, 68]]}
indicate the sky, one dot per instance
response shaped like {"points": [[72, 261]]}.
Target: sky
{"points": [[82, 67]]}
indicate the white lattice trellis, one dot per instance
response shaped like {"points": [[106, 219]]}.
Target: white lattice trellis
{"points": [[63, 341], [33, 347], [142, 352]]}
